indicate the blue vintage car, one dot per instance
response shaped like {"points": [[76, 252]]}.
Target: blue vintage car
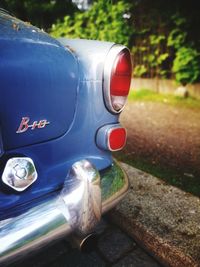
{"points": [[60, 102]]}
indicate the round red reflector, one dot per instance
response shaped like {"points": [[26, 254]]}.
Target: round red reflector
{"points": [[116, 139]]}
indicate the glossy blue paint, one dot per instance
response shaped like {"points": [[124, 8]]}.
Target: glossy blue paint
{"points": [[60, 84], [39, 80], [1, 145], [91, 56]]}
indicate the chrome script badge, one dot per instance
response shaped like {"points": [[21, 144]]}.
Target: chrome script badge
{"points": [[25, 125]]}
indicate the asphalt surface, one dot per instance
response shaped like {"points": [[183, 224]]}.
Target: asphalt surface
{"points": [[113, 248]]}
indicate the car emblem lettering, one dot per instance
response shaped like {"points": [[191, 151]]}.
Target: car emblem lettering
{"points": [[24, 125]]}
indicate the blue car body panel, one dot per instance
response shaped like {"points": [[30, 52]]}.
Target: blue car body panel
{"points": [[39, 80], [60, 81]]}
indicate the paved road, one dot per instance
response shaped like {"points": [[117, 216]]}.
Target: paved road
{"points": [[114, 248]]}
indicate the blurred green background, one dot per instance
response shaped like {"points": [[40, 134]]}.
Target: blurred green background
{"points": [[163, 36]]}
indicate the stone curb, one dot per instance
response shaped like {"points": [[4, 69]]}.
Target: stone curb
{"points": [[162, 218]]}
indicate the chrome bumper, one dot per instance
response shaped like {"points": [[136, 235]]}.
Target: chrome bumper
{"points": [[77, 208]]}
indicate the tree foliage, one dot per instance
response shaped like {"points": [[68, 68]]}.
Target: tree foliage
{"points": [[103, 21], [187, 60], [186, 65], [40, 13], [166, 41], [163, 36]]}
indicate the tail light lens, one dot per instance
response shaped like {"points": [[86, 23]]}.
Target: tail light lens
{"points": [[116, 139], [117, 78], [111, 137]]}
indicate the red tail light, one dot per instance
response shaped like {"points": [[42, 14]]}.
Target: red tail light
{"points": [[111, 137], [116, 139], [117, 78]]}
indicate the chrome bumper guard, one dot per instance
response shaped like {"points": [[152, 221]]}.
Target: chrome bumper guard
{"points": [[77, 208]]}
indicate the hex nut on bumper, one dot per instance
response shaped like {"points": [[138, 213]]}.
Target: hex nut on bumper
{"points": [[19, 173]]}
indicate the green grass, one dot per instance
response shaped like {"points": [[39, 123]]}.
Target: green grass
{"points": [[112, 181], [148, 95], [170, 176]]}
